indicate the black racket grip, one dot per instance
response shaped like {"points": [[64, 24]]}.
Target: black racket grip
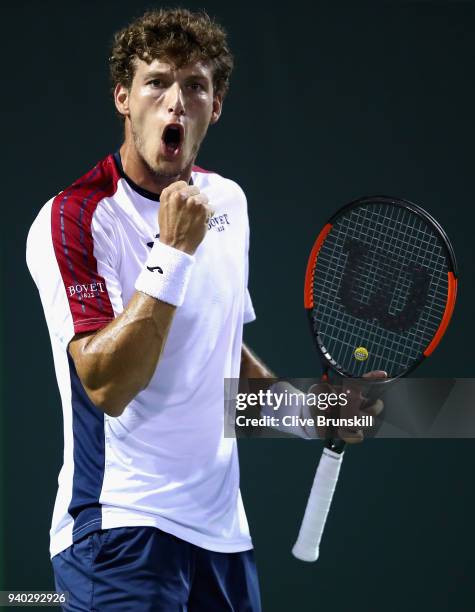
{"points": [[336, 445]]}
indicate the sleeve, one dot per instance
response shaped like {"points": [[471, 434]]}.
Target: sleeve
{"points": [[249, 312], [72, 263]]}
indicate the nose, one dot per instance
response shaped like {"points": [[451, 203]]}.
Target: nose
{"points": [[175, 102]]}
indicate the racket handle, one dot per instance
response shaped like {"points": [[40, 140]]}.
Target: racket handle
{"points": [[306, 548]]}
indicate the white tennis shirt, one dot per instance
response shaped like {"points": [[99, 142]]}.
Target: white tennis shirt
{"points": [[164, 462]]}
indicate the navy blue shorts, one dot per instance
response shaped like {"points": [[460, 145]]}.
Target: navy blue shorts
{"points": [[144, 569]]}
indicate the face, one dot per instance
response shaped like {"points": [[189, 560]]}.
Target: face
{"points": [[168, 111]]}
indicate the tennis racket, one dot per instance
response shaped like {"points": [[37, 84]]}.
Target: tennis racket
{"points": [[380, 289]]}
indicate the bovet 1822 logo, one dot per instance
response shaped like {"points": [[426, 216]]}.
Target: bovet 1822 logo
{"points": [[219, 222], [86, 290]]}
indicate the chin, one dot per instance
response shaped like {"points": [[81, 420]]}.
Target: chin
{"points": [[166, 167], [163, 167], [169, 168]]}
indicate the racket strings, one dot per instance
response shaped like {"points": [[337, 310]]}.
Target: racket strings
{"points": [[392, 245]]}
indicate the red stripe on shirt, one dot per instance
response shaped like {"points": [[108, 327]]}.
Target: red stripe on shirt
{"points": [[71, 218]]}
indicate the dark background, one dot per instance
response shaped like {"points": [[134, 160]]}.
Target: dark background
{"points": [[328, 102]]}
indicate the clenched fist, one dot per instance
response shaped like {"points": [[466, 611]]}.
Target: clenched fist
{"points": [[183, 216]]}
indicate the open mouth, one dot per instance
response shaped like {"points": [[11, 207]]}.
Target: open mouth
{"points": [[172, 138]]}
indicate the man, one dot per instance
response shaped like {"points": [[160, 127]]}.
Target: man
{"points": [[142, 268]]}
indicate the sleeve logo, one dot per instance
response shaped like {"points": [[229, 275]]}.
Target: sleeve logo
{"points": [[86, 290]]}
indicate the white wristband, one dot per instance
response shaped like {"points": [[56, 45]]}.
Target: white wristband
{"points": [[166, 274]]}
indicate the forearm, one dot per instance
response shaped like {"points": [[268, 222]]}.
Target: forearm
{"points": [[252, 366], [118, 362]]}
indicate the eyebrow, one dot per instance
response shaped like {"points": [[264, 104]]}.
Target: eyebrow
{"points": [[154, 73], [197, 75], [165, 73]]}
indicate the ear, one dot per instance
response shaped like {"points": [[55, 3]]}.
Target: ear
{"points": [[217, 107], [121, 99]]}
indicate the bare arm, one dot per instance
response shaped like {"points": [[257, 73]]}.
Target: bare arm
{"points": [[252, 366], [118, 361]]}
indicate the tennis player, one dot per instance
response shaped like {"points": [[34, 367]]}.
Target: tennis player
{"points": [[142, 268]]}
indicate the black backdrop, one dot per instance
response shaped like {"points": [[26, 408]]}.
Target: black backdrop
{"points": [[328, 102]]}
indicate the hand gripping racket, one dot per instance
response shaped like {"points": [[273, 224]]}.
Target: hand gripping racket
{"points": [[380, 289]]}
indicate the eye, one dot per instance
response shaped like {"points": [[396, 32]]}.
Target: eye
{"points": [[196, 86], [155, 83]]}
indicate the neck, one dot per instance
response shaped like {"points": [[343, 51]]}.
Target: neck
{"points": [[139, 172]]}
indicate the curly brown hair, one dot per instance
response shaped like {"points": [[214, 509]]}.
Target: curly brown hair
{"points": [[178, 35]]}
